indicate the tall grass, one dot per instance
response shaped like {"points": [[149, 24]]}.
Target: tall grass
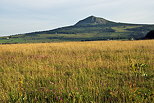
{"points": [[77, 72]]}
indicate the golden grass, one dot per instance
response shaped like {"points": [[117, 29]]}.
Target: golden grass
{"points": [[83, 72]]}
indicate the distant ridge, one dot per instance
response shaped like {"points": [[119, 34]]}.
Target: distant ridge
{"points": [[89, 29]]}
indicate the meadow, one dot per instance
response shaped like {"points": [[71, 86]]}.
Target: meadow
{"points": [[77, 72]]}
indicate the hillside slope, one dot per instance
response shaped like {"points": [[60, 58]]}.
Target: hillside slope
{"points": [[89, 29]]}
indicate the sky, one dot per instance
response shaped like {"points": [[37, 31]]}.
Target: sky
{"points": [[24, 16]]}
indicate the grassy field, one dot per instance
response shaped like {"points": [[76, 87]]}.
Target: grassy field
{"points": [[77, 72]]}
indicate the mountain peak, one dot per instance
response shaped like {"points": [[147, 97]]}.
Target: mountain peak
{"points": [[92, 17], [92, 20]]}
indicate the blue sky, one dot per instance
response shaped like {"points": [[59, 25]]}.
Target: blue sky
{"points": [[22, 16]]}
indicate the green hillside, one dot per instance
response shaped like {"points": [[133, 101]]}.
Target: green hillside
{"points": [[89, 29]]}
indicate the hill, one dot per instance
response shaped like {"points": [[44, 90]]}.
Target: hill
{"points": [[89, 29], [150, 35]]}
